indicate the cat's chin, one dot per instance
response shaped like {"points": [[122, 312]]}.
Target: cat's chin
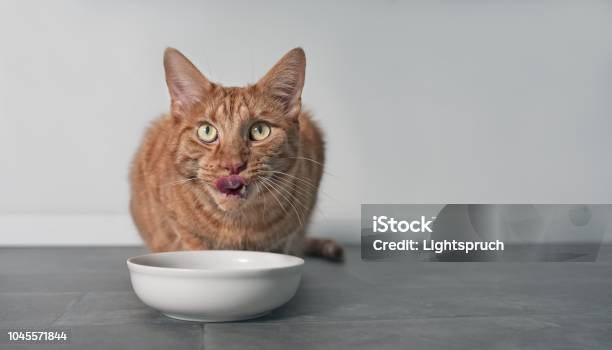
{"points": [[229, 202]]}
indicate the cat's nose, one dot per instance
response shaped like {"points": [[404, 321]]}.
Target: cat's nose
{"points": [[234, 168]]}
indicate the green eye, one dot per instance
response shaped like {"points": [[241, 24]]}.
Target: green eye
{"points": [[207, 133], [259, 131]]}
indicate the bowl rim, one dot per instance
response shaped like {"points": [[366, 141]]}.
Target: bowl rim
{"points": [[295, 262]]}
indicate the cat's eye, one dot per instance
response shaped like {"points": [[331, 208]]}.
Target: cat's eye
{"points": [[259, 131], [207, 133]]}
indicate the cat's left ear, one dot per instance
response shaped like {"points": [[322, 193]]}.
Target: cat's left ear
{"points": [[285, 81], [187, 85]]}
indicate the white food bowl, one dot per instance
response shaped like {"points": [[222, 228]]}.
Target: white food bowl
{"points": [[215, 285]]}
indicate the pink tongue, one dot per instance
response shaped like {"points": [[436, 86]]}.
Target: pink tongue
{"points": [[230, 184]]}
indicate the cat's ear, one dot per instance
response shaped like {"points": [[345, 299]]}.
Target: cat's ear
{"points": [[284, 82], [186, 83]]}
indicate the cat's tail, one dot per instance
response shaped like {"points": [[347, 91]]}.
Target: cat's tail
{"points": [[323, 248]]}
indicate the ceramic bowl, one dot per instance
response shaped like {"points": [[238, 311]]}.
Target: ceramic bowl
{"points": [[215, 285]]}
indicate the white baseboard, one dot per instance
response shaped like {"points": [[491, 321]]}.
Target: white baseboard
{"points": [[67, 230], [113, 230]]}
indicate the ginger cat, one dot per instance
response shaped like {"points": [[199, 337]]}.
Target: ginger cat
{"points": [[231, 167]]}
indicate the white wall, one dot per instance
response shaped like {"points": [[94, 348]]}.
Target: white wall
{"points": [[422, 102]]}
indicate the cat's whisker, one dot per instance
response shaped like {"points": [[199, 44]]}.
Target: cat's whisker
{"points": [[297, 213], [313, 161], [275, 175], [288, 199], [179, 182], [304, 158], [259, 198], [274, 196], [279, 186], [316, 188], [270, 188], [288, 183], [307, 194], [293, 176]]}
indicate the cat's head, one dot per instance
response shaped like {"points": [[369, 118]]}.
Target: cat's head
{"points": [[228, 137]]}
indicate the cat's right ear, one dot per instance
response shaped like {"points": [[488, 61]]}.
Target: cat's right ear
{"points": [[186, 83], [285, 81]]}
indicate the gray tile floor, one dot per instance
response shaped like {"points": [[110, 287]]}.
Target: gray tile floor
{"points": [[356, 305]]}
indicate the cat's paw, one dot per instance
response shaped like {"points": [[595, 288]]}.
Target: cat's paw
{"points": [[333, 251], [324, 248]]}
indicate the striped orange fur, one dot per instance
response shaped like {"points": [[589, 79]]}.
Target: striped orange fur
{"points": [[180, 197]]}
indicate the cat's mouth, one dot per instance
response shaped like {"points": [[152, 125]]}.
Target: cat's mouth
{"points": [[232, 185]]}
